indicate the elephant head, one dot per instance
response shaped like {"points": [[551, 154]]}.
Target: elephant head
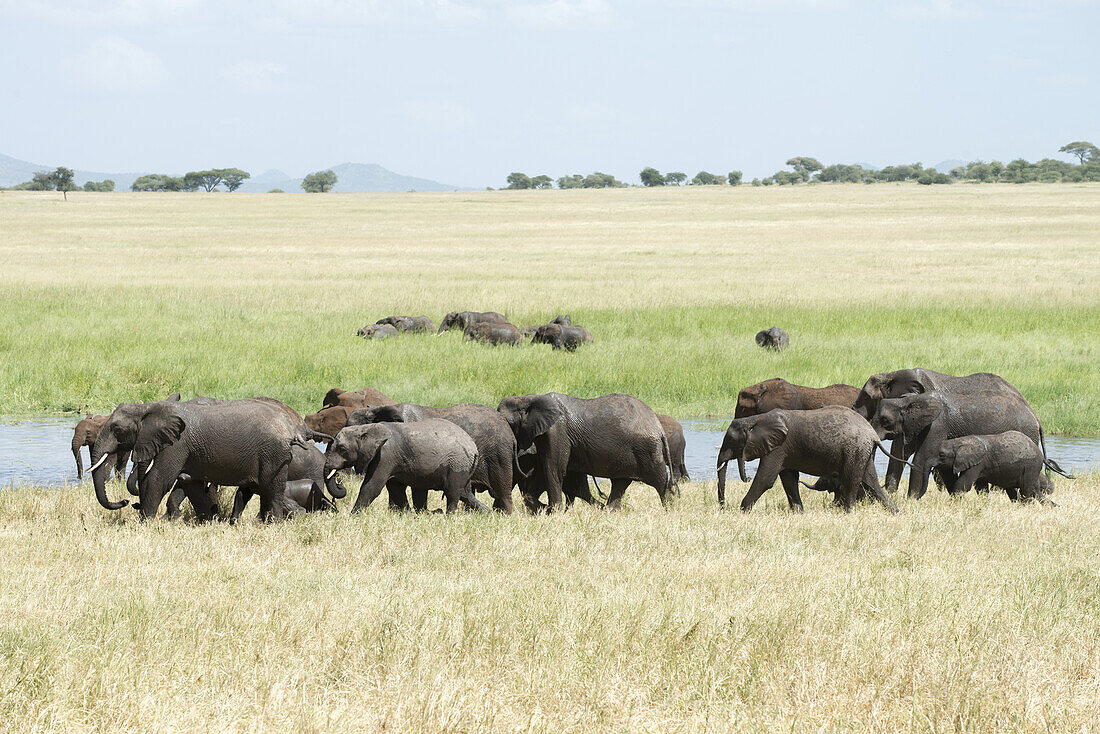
{"points": [[530, 416], [85, 434], [734, 446], [332, 397], [955, 457], [546, 334], [381, 414], [356, 447], [449, 322], [328, 421], [905, 417], [117, 435], [161, 427], [767, 395], [563, 320], [883, 386]]}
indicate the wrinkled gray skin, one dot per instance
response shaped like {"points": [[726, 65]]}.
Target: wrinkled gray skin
{"points": [[574, 485], [677, 445], [378, 331], [462, 319], [924, 421], [243, 443], [915, 381], [615, 436], [774, 338], [495, 442], [410, 324], [825, 442], [495, 334], [1008, 460], [422, 455], [84, 434], [306, 473], [562, 337]]}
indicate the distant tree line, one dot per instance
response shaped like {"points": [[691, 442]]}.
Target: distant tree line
{"points": [[207, 180], [653, 177], [597, 180]]}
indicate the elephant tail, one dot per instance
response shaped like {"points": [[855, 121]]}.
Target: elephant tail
{"points": [[1048, 463], [883, 449], [671, 483], [308, 434], [599, 492], [516, 469]]}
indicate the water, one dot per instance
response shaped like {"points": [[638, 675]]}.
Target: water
{"points": [[36, 450]]}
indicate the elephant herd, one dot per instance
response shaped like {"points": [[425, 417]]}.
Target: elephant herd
{"points": [[488, 327], [967, 431]]}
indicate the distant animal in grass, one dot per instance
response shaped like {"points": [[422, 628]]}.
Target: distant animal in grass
{"points": [[562, 337], [378, 331], [774, 338], [462, 319], [494, 333], [409, 324]]}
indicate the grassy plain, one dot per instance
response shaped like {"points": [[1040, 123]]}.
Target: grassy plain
{"points": [[113, 297], [964, 616]]}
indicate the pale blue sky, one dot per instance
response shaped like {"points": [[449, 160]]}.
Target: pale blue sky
{"points": [[464, 91]]}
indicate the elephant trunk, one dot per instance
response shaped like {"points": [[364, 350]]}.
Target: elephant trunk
{"points": [[132, 484], [741, 468], [332, 484], [77, 443], [722, 483], [101, 469]]}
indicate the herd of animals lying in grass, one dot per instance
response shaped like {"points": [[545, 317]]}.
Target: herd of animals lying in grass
{"points": [[488, 327], [971, 431]]}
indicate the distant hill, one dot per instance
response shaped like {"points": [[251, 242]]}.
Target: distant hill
{"points": [[946, 166], [350, 177]]}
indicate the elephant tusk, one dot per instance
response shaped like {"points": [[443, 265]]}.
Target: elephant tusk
{"points": [[331, 474], [150, 467], [99, 463]]}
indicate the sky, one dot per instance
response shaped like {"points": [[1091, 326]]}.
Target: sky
{"points": [[466, 91]]}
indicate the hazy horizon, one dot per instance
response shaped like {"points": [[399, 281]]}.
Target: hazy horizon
{"points": [[465, 91]]}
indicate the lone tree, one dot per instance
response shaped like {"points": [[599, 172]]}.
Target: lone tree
{"points": [[517, 180], [319, 182], [233, 177], [62, 179], [675, 178], [651, 177], [1084, 150], [734, 178]]}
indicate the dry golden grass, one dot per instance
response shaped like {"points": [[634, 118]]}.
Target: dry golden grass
{"points": [[972, 615]]}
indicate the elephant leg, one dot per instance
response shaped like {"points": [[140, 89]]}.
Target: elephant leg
{"points": [[420, 499], [967, 479], [500, 486], [789, 480], [370, 489], [766, 474], [121, 459], [554, 464], [198, 494], [398, 495], [618, 489], [272, 488], [454, 491], [922, 466], [467, 497], [895, 468], [576, 488], [175, 499], [240, 501]]}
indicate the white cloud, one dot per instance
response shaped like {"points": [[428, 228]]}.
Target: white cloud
{"points": [[114, 64], [86, 13], [256, 77], [561, 14]]}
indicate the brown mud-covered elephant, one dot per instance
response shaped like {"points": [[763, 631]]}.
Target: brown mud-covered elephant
{"points": [[378, 331], [615, 436], [85, 434], [331, 420], [366, 397]]}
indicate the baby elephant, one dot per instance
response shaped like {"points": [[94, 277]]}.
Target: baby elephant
{"points": [[302, 495], [378, 331], [494, 333], [562, 337], [427, 454], [1008, 460], [773, 338], [411, 324]]}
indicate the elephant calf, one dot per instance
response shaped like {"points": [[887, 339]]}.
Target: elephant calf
{"points": [[494, 333], [1008, 460], [562, 337], [774, 338], [410, 324], [378, 331], [674, 433], [423, 455], [301, 495], [84, 434]]}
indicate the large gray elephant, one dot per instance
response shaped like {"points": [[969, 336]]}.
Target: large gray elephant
{"points": [[424, 455], [827, 442], [462, 319], [495, 442], [924, 421], [494, 333], [916, 381], [615, 436], [574, 485], [562, 337], [1008, 460], [84, 434]]}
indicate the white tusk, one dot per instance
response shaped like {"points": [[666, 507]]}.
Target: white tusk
{"points": [[150, 467], [98, 463], [330, 475]]}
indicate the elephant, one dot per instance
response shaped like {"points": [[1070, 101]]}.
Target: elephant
{"points": [[243, 443], [674, 434], [562, 320], [378, 331], [496, 444], [774, 338], [615, 436], [823, 442], [462, 319], [424, 455], [363, 398], [305, 481], [1009, 460], [919, 380], [923, 421], [778, 393], [410, 324], [494, 333], [330, 420], [562, 337], [85, 434]]}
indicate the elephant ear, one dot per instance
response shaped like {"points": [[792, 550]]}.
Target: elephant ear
{"points": [[173, 398], [332, 397], [917, 415], [159, 429], [905, 383], [969, 454], [767, 435], [388, 414], [370, 443], [542, 413]]}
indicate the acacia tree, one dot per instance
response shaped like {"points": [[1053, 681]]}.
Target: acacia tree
{"points": [[517, 180], [233, 177], [319, 182], [651, 177], [675, 178], [1084, 150], [804, 166], [734, 178], [542, 181]]}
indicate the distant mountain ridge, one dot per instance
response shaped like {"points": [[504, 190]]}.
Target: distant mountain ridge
{"points": [[350, 178]]}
